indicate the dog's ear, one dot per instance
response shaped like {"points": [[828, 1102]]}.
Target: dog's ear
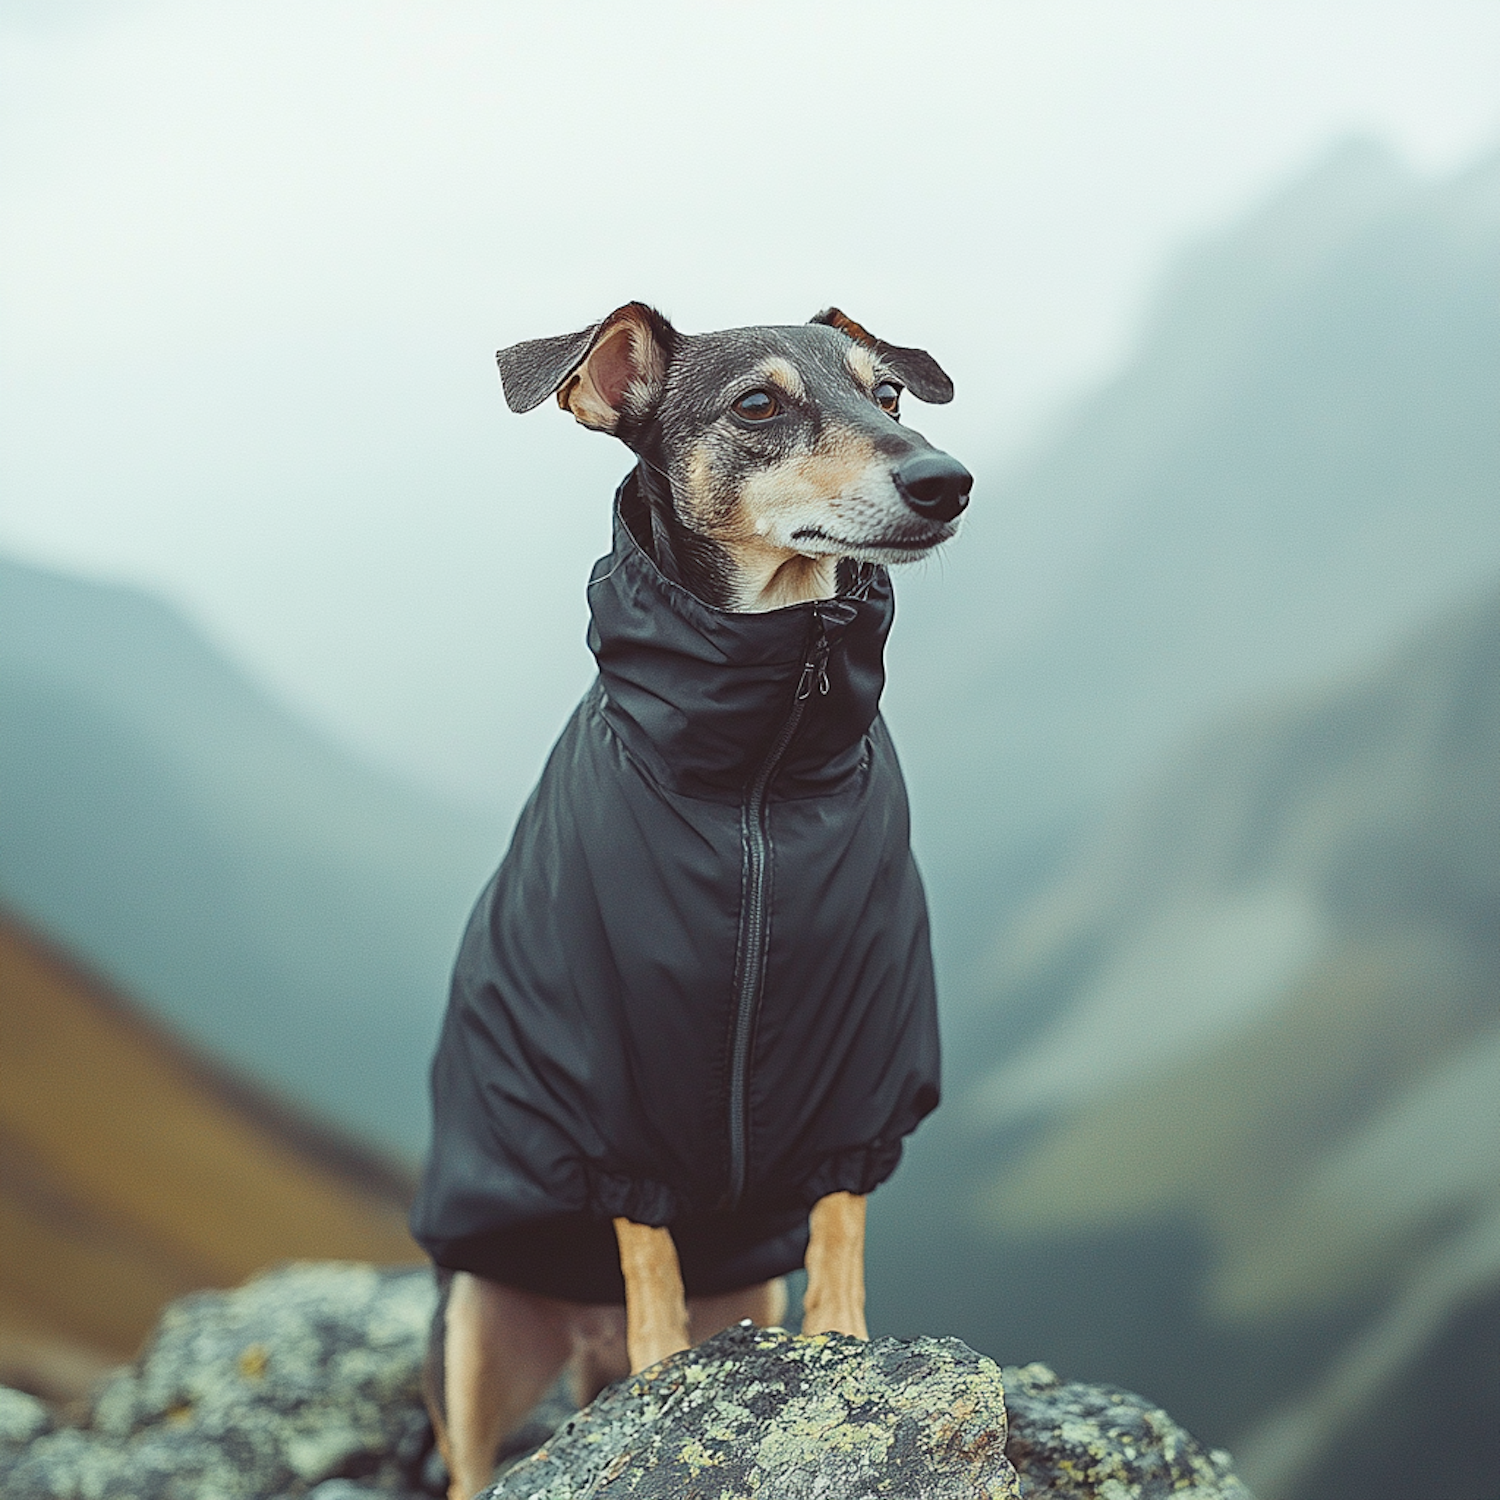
{"points": [[916, 369], [612, 370]]}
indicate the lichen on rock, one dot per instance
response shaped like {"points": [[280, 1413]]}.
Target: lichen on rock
{"points": [[756, 1411], [23, 1419], [304, 1385], [301, 1375], [1096, 1442]]}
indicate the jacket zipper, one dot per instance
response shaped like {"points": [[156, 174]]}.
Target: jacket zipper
{"points": [[755, 843]]}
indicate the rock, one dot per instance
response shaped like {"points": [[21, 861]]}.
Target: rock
{"points": [[304, 1385], [23, 1419], [345, 1489], [1095, 1442], [758, 1411], [305, 1374]]}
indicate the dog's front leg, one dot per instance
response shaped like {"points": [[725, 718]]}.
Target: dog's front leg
{"points": [[656, 1316], [835, 1297]]}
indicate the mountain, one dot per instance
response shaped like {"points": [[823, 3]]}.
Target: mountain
{"points": [[1220, 1018], [1234, 1074], [1299, 460], [135, 1170], [281, 904]]}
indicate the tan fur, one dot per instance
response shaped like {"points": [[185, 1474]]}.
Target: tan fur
{"points": [[503, 1348], [656, 1311], [835, 470], [698, 498], [589, 404], [582, 396], [650, 366], [794, 580], [827, 476], [746, 521], [785, 375], [655, 1303], [863, 365], [835, 1297]]}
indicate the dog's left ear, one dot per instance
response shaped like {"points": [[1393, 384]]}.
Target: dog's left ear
{"points": [[612, 370], [916, 369]]}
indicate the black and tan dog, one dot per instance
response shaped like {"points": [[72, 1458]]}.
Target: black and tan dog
{"points": [[693, 1015]]}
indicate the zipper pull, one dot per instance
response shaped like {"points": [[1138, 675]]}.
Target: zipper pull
{"points": [[815, 668]]}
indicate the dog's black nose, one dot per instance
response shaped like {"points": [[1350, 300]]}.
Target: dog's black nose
{"points": [[934, 485]]}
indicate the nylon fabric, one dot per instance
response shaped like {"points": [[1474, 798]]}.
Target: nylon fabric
{"points": [[585, 1061]]}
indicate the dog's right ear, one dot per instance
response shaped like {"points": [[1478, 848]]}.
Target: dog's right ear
{"points": [[921, 374], [613, 370]]}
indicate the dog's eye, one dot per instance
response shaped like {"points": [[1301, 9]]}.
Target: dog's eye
{"points": [[756, 406], [887, 396]]}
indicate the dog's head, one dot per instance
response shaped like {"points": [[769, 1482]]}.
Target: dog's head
{"points": [[782, 448]]}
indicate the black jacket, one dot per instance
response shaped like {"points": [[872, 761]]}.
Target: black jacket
{"points": [[698, 991]]}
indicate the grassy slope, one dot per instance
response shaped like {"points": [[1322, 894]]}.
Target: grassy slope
{"points": [[135, 1172]]}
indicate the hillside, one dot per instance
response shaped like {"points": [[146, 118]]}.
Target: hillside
{"points": [[1237, 1109], [1299, 460], [135, 1171], [261, 890]]}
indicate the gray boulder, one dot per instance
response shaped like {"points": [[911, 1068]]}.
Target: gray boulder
{"points": [[758, 1411], [305, 1374], [1095, 1442], [304, 1385], [23, 1419]]}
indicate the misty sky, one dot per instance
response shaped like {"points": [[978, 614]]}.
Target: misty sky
{"points": [[257, 257]]}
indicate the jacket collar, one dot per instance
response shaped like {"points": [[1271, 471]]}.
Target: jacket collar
{"points": [[699, 694]]}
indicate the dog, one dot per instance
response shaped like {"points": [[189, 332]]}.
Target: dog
{"points": [[693, 1015]]}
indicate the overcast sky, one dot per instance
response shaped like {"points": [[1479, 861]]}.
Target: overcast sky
{"points": [[257, 257]]}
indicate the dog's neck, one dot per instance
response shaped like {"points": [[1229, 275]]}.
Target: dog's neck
{"points": [[748, 577]]}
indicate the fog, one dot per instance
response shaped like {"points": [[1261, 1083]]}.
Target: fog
{"points": [[258, 257], [1199, 713]]}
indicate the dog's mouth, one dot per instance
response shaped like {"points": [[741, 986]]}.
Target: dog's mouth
{"points": [[899, 543]]}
